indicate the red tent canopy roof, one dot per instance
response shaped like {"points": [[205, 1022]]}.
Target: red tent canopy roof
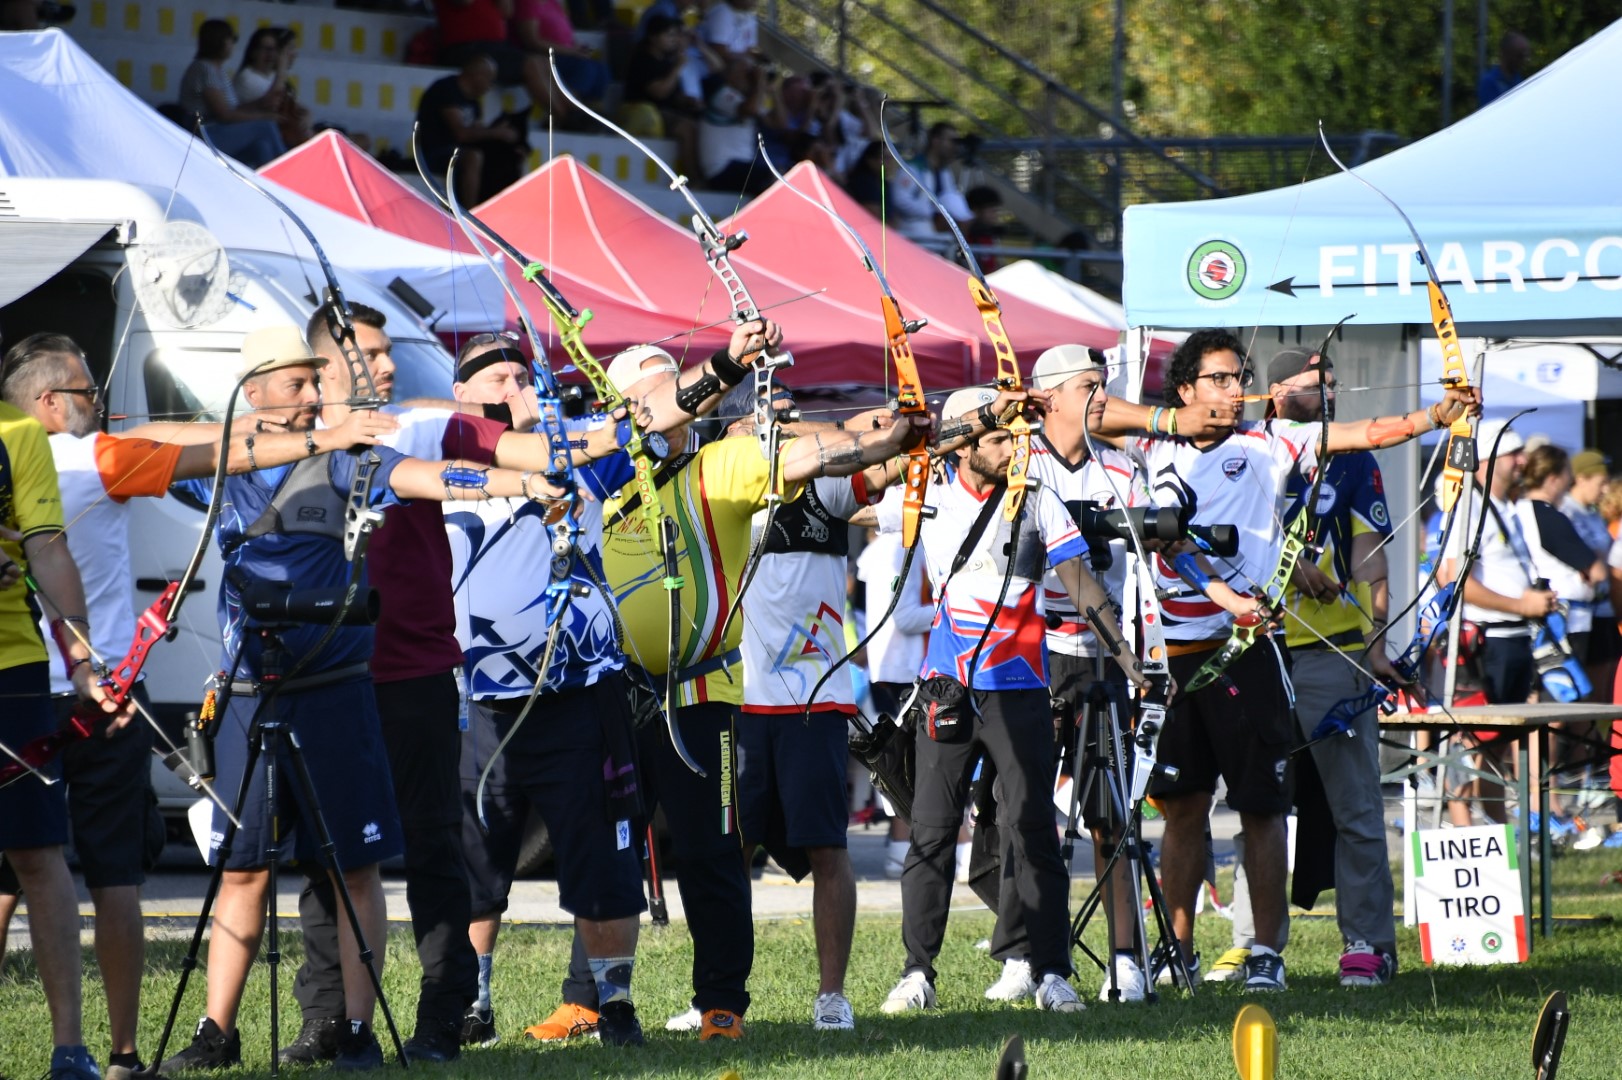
{"points": [[787, 231]]}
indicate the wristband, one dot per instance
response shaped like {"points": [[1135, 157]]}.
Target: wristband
{"points": [[309, 443], [727, 369], [987, 418], [252, 465], [690, 398], [1171, 422]]}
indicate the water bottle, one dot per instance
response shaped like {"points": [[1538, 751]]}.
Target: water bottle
{"points": [[461, 699]]}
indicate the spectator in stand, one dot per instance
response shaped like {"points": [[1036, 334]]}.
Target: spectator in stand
{"points": [[249, 134], [656, 102], [790, 126], [732, 29], [915, 215], [701, 59], [1514, 50], [985, 223], [469, 28], [733, 105], [849, 118], [262, 83], [542, 26], [450, 117], [866, 182]]}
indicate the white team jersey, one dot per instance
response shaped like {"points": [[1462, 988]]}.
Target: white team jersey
{"points": [[98, 537], [794, 619], [896, 651], [1240, 481], [1084, 483], [1496, 565]]}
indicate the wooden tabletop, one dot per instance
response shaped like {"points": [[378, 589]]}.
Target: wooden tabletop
{"points": [[1504, 716]]}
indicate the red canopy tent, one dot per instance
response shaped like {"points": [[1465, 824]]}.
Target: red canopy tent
{"points": [[788, 232], [609, 239], [340, 175]]}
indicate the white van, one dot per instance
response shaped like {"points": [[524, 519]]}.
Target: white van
{"points": [[73, 248]]}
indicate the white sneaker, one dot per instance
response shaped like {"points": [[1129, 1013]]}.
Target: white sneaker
{"points": [[1591, 838], [912, 992], [833, 1013], [1057, 995], [1129, 981], [1015, 984], [691, 1020]]}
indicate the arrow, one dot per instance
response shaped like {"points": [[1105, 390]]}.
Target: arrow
{"points": [[1289, 286]]}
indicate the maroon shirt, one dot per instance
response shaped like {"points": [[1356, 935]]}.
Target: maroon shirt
{"points": [[410, 567]]}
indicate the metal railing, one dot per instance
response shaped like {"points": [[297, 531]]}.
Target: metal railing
{"points": [[1078, 160]]}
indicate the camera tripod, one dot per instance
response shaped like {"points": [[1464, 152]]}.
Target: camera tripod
{"points": [[268, 738], [1100, 757]]}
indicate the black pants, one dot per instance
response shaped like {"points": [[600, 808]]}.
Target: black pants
{"points": [[712, 874], [1014, 729], [419, 730]]}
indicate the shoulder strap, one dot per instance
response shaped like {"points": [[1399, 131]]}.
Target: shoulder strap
{"points": [[660, 478], [979, 526]]}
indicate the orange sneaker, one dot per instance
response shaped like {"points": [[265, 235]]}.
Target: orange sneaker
{"points": [[721, 1024], [566, 1022]]}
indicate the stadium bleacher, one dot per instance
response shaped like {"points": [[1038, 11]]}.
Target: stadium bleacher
{"points": [[350, 71]]}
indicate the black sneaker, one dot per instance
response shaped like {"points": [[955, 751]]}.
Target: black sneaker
{"points": [[617, 1025], [435, 1041], [317, 1041], [357, 1048], [210, 1048], [479, 1027], [1264, 973]]}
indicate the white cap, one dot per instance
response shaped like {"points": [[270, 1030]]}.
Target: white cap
{"points": [[635, 364], [1062, 363], [1488, 430], [963, 402], [273, 347]]}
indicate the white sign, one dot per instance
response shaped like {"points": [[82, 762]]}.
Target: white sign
{"points": [[1467, 895]]}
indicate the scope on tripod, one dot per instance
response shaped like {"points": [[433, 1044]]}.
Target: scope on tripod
{"points": [[279, 602], [1097, 521]]}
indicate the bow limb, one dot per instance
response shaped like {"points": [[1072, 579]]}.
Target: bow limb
{"points": [[985, 301], [909, 401], [1461, 450]]}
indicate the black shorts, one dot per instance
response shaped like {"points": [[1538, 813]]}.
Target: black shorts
{"points": [[791, 778], [118, 833], [555, 765], [1069, 680], [1239, 728], [32, 813], [337, 729]]}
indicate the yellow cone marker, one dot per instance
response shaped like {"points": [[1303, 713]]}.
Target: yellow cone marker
{"points": [[1255, 1044]]}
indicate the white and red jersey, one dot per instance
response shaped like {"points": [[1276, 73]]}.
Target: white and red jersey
{"points": [[1240, 481], [1107, 479], [1014, 654], [794, 612], [896, 650], [98, 474]]}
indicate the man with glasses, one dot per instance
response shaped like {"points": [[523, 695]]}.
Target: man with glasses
{"points": [[116, 829], [1239, 726]]}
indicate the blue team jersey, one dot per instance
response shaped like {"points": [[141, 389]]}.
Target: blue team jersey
{"points": [[308, 560], [501, 554]]}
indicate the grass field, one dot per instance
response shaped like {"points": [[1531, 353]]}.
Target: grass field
{"points": [[1438, 1022]]}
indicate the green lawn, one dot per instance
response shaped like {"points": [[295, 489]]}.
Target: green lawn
{"points": [[1442, 1022]]}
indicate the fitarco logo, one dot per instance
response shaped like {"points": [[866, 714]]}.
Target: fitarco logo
{"points": [[1216, 270]]}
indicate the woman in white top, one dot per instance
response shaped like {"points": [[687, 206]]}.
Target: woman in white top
{"points": [[261, 82], [248, 134]]}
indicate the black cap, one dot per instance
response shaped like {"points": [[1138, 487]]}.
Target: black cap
{"points": [[1289, 363]]}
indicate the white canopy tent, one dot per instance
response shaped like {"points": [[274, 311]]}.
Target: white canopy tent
{"points": [[1517, 205], [65, 116]]}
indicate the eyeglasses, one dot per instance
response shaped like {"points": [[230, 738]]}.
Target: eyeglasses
{"points": [[91, 392], [1224, 379]]}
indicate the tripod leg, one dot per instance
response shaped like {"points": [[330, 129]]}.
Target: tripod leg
{"points": [[221, 856], [329, 849], [273, 856]]}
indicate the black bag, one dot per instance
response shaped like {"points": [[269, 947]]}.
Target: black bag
{"points": [[941, 709], [887, 749]]}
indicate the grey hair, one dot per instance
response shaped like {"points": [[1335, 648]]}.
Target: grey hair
{"points": [[34, 365]]}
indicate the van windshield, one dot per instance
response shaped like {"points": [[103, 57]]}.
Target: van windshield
{"points": [[194, 384]]}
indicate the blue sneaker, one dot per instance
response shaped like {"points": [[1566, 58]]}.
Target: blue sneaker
{"points": [[73, 1063]]}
